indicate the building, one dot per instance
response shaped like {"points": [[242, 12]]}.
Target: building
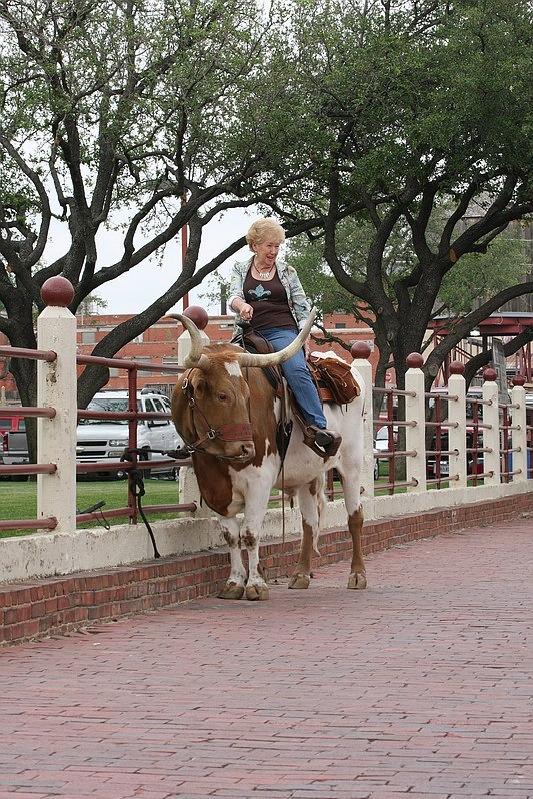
{"points": [[158, 344]]}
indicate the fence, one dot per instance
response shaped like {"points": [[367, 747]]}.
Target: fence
{"points": [[485, 455]]}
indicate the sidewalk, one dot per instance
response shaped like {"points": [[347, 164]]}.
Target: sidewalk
{"points": [[420, 686]]}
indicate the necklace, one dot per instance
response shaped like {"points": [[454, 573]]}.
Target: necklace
{"points": [[264, 274]]}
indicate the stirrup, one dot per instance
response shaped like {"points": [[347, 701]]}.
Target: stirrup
{"points": [[324, 443]]}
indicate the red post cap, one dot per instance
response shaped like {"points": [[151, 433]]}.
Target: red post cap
{"points": [[518, 380], [457, 368], [489, 373], [414, 360], [57, 291], [360, 349], [197, 315]]}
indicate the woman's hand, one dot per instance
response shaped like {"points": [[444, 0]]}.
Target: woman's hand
{"points": [[246, 312]]}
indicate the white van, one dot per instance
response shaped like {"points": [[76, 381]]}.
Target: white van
{"points": [[99, 441]]}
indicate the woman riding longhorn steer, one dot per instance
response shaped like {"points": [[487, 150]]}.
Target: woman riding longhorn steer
{"points": [[267, 294], [227, 413]]}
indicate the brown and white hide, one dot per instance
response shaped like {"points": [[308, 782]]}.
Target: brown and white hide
{"points": [[238, 476]]}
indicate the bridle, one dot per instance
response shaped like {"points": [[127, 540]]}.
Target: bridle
{"points": [[227, 432]]}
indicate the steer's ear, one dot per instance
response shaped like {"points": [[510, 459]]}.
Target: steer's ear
{"points": [[200, 387]]}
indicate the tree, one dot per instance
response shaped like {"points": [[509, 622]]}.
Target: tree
{"points": [[137, 117], [409, 125], [91, 305], [475, 278]]}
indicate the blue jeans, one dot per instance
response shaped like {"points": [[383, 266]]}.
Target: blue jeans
{"points": [[297, 376]]}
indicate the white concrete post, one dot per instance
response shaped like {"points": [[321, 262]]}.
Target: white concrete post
{"points": [[56, 388], [415, 410], [519, 437], [188, 484], [457, 416], [491, 436], [184, 344], [360, 352], [189, 492]]}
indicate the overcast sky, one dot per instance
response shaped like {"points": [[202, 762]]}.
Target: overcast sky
{"points": [[143, 284]]}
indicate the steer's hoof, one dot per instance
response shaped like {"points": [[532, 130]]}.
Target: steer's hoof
{"points": [[257, 593], [299, 581], [231, 591], [357, 581]]}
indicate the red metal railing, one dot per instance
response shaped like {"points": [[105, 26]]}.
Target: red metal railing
{"points": [[506, 448], [38, 468], [475, 425], [132, 416], [392, 453], [438, 452]]}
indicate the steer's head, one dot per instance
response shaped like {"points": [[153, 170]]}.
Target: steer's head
{"points": [[210, 404]]}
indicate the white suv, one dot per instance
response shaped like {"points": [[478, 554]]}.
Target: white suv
{"points": [[99, 441]]}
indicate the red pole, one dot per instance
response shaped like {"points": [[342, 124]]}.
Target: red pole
{"points": [[184, 243]]}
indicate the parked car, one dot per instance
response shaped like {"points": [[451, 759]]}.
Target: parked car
{"points": [[10, 424], [381, 444], [100, 441], [471, 467], [14, 444]]}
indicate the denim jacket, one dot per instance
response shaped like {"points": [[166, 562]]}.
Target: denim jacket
{"points": [[298, 302]]}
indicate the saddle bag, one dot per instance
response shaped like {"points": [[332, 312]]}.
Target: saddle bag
{"points": [[334, 374]]}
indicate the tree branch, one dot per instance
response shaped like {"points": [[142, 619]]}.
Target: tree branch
{"points": [[472, 319], [485, 357], [38, 249]]}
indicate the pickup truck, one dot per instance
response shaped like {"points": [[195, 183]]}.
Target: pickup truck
{"points": [[14, 446], [101, 441]]}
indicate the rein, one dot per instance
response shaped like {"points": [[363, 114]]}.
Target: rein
{"points": [[241, 431]]}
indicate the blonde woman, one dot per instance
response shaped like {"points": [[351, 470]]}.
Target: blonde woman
{"points": [[266, 293]]}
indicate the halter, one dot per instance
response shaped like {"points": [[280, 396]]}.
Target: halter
{"points": [[226, 432]]}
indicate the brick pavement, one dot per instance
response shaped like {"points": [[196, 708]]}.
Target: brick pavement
{"points": [[420, 686]]}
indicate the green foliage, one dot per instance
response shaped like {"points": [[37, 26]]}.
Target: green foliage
{"points": [[307, 257], [92, 304], [216, 287], [420, 108], [410, 92], [476, 276]]}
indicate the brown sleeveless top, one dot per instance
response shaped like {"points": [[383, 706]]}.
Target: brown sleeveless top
{"points": [[268, 298]]}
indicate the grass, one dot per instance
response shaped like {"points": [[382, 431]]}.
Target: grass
{"points": [[18, 500]]}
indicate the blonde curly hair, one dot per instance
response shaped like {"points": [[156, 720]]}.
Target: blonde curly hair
{"points": [[262, 229]]}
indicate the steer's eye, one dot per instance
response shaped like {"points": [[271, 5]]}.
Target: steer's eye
{"points": [[222, 397]]}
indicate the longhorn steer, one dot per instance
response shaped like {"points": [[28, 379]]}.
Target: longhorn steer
{"points": [[225, 409]]}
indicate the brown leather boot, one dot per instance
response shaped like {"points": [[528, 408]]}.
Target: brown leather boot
{"points": [[323, 442]]}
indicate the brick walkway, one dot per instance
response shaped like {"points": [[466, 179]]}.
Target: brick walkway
{"points": [[420, 686]]}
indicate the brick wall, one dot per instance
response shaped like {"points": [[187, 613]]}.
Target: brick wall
{"points": [[56, 605]]}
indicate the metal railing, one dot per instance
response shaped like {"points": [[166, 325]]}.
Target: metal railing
{"points": [[476, 441]]}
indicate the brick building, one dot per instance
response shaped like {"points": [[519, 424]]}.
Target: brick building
{"points": [[158, 344]]}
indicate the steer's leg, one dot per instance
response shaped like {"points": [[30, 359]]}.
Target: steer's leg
{"points": [[234, 587], [352, 498], [309, 497], [256, 587]]}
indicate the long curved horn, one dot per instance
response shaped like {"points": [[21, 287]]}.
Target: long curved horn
{"points": [[197, 345], [275, 358]]}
